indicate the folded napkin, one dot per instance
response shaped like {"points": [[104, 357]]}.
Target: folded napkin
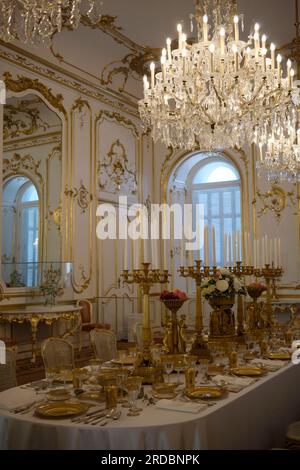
{"points": [[269, 364], [176, 405], [233, 384], [21, 398]]}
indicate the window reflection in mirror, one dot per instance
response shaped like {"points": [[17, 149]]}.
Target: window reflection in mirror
{"points": [[31, 189]]}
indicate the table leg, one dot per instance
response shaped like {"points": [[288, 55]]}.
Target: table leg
{"points": [[34, 321]]}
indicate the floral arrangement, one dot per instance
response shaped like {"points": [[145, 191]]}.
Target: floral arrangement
{"points": [[175, 294], [223, 284]]}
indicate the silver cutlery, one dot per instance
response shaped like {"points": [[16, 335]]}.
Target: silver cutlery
{"points": [[115, 416], [89, 419]]}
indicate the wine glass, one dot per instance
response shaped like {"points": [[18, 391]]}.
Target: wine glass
{"points": [[50, 376], [122, 376], [133, 387]]}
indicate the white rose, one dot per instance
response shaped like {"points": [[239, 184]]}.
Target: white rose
{"points": [[237, 285], [205, 292], [222, 285]]}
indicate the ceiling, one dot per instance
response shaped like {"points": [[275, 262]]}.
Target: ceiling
{"points": [[113, 54]]}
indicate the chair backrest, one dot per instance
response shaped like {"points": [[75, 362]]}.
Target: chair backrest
{"points": [[57, 353], [8, 377], [104, 344], [86, 310]]}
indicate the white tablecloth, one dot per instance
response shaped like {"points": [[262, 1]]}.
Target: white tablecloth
{"points": [[255, 418]]}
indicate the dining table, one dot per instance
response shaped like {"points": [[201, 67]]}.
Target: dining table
{"points": [[256, 417]]}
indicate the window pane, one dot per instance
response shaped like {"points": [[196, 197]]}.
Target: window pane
{"points": [[30, 194], [227, 202], [216, 172], [215, 203]]}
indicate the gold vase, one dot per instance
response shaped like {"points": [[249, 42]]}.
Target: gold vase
{"points": [[171, 326], [222, 322]]}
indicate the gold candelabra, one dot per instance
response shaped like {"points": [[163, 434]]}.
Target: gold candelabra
{"points": [[271, 274], [240, 272], [146, 278], [198, 273]]}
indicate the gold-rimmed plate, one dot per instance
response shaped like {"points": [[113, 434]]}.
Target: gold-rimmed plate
{"points": [[206, 392], [92, 396], [279, 355], [248, 371], [60, 410]]}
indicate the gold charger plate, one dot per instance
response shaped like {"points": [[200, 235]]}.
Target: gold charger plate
{"points": [[126, 361], [93, 395], [206, 392], [280, 355], [61, 410], [248, 371]]}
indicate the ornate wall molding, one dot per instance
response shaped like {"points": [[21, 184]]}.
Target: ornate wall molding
{"points": [[119, 118], [25, 83], [66, 78], [114, 171], [23, 119], [275, 200], [81, 195], [20, 164], [45, 139]]}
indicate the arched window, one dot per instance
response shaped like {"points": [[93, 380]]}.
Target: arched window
{"points": [[214, 182], [20, 242]]}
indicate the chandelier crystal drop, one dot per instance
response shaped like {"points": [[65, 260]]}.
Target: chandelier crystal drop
{"points": [[219, 92], [36, 21]]}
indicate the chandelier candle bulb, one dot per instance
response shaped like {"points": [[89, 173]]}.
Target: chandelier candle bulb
{"points": [[263, 41], [236, 29], [163, 68], [222, 41], [264, 59], [152, 70], [183, 41], [212, 50], [179, 30], [279, 60], [169, 51], [236, 59], [273, 48], [205, 28]]}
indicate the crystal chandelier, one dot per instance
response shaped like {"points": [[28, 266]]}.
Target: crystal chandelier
{"points": [[279, 151], [37, 20], [219, 92]]}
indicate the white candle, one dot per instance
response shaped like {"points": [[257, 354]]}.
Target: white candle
{"points": [[152, 70], [239, 257], [206, 253], [236, 28], [222, 41], [205, 28], [166, 254], [267, 261], [279, 60], [183, 41], [169, 51], [258, 260], [191, 258], [125, 254], [263, 41], [229, 251], [225, 249], [264, 60], [254, 253], [263, 258], [250, 251], [179, 30], [271, 251], [182, 251], [276, 253], [234, 247], [163, 68], [279, 253], [214, 246], [273, 48]]}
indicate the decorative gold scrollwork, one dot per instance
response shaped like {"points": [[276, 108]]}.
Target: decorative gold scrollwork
{"points": [[22, 119], [25, 83], [115, 172], [81, 195], [18, 164], [275, 200]]}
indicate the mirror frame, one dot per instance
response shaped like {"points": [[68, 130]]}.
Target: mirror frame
{"points": [[19, 88]]}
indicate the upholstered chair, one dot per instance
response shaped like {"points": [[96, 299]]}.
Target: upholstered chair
{"points": [[57, 353], [8, 377], [86, 320], [104, 343]]}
